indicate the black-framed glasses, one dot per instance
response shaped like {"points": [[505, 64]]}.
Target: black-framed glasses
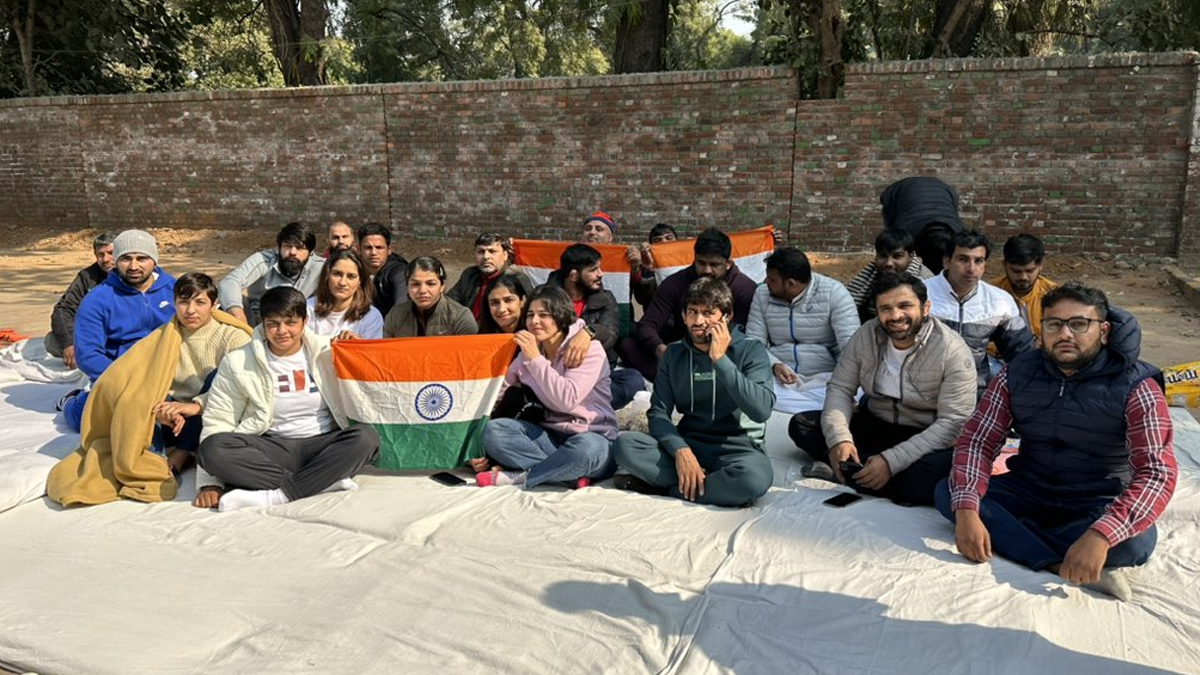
{"points": [[1078, 324]]}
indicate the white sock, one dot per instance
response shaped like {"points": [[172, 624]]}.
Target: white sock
{"points": [[235, 500], [511, 477], [345, 484], [1113, 582]]}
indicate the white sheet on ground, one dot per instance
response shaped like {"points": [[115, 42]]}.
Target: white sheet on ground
{"points": [[405, 575]]}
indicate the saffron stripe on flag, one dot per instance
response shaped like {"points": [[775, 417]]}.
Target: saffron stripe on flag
{"points": [[467, 357], [750, 251], [539, 258]]}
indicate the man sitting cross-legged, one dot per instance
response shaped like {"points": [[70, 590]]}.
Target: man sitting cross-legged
{"points": [[804, 319], [919, 381], [660, 325], [720, 382], [1096, 466]]}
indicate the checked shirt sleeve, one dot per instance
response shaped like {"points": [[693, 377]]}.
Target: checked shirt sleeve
{"points": [[1150, 438], [978, 444]]}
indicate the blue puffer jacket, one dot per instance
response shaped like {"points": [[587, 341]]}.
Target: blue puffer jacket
{"points": [[1073, 428], [114, 316]]}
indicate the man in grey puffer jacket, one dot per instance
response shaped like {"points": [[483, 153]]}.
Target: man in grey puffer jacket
{"points": [[804, 320], [919, 379]]}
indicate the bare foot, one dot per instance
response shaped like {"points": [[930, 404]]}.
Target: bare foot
{"points": [[180, 460]]}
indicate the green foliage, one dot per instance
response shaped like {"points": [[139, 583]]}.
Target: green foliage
{"points": [[93, 47], [699, 42], [229, 47], [402, 40]]}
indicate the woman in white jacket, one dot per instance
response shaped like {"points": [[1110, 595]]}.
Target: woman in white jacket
{"points": [[273, 426]]}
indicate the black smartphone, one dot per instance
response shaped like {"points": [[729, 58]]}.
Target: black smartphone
{"points": [[842, 499], [447, 478], [849, 468]]}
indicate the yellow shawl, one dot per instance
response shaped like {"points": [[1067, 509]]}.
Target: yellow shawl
{"points": [[114, 459]]}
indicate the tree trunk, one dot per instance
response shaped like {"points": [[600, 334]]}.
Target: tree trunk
{"points": [[642, 37], [829, 28], [1033, 18], [958, 25], [296, 34], [22, 26]]}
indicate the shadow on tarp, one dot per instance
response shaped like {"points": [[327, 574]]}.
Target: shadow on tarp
{"points": [[38, 397], [749, 629]]}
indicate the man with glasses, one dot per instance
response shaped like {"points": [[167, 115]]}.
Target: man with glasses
{"points": [[1096, 466]]}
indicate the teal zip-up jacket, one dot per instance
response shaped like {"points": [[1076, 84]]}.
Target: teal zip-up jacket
{"points": [[726, 402]]}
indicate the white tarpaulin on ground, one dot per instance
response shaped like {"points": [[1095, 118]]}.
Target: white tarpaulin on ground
{"points": [[406, 575]]}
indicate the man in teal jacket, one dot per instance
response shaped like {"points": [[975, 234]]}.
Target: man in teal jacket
{"points": [[721, 383]]}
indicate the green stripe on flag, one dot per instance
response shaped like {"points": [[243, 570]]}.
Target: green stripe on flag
{"points": [[428, 446]]}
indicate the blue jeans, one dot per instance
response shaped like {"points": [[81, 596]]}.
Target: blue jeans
{"points": [[1034, 529], [625, 383], [73, 410], [549, 456]]}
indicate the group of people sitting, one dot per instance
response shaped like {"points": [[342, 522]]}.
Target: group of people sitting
{"points": [[888, 380]]}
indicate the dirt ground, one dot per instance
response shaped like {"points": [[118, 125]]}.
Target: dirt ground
{"points": [[36, 269]]}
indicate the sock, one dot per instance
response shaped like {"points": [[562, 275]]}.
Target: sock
{"points": [[343, 485], [235, 500], [499, 478], [1113, 582]]}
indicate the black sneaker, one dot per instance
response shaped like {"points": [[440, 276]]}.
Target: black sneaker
{"points": [[62, 402], [625, 481]]}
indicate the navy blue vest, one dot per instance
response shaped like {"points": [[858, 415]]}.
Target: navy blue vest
{"points": [[1073, 428]]}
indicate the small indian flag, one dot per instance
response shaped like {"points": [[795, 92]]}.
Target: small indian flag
{"points": [[539, 258], [750, 251], [427, 397]]}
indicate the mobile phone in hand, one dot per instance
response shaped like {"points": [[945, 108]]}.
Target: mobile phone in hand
{"points": [[842, 499], [447, 478]]}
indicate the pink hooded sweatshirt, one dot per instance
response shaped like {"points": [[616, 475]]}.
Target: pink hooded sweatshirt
{"points": [[576, 399]]}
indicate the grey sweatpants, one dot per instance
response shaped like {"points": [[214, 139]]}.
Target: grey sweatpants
{"points": [[301, 467], [735, 475]]}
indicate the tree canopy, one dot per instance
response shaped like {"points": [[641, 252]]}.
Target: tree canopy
{"points": [[117, 46]]}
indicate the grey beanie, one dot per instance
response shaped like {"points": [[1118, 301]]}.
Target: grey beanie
{"points": [[135, 241]]}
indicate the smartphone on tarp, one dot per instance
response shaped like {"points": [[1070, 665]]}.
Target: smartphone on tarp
{"points": [[842, 499], [447, 478]]}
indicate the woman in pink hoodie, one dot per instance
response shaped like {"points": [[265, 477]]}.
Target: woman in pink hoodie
{"points": [[573, 443]]}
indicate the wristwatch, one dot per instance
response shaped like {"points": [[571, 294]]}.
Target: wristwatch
{"points": [[590, 331]]}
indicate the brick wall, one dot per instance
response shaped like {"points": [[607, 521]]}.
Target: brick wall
{"points": [[1091, 153]]}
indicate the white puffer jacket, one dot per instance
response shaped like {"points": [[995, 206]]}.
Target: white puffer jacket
{"points": [[242, 396]]}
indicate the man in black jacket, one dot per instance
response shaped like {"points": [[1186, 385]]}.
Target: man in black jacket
{"points": [[493, 257], [386, 268], [579, 274], [60, 341], [926, 208]]}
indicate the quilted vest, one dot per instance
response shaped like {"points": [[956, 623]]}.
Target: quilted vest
{"points": [[1073, 428]]}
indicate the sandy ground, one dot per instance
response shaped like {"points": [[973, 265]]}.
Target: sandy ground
{"points": [[35, 270]]}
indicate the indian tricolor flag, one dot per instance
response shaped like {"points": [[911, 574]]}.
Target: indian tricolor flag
{"points": [[750, 251], [539, 258], [427, 397]]}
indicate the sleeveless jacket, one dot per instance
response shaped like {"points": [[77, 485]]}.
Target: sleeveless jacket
{"points": [[1073, 428]]}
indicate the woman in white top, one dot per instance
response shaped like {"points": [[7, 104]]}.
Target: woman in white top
{"points": [[342, 307]]}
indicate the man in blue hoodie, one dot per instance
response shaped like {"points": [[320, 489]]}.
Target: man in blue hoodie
{"points": [[721, 383], [136, 298]]}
